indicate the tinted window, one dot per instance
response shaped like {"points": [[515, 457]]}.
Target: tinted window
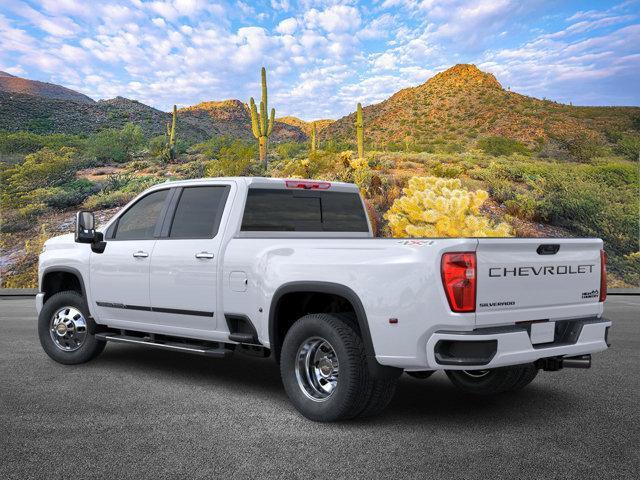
{"points": [[198, 212], [303, 211], [139, 222]]}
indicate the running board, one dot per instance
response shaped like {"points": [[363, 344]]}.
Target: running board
{"points": [[218, 352]]}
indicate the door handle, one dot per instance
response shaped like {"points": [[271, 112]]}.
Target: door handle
{"points": [[140, 254], [204, 255]]}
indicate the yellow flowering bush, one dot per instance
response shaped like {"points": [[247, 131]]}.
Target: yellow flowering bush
{"points": [[440, 207]]}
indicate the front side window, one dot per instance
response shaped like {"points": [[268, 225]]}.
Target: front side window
{"points": [[274, 210], [139, 221], [198, 212]]}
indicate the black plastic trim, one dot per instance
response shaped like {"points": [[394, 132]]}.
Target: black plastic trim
{"points": [[380, 371], [236, 322], [444, 355], [177, 311], [74, 271]]}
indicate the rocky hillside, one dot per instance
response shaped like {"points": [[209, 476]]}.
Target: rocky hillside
{"points": [[12, 85], [305, 126], [464, 103], [46, 108], [232, 118]]}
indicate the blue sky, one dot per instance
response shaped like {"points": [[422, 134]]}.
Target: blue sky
{"points": [[322, 56]]}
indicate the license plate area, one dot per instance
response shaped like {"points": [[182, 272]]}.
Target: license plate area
{"points": [[542, 332]]}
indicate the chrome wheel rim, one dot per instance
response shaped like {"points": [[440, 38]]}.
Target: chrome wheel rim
{"points": [[68, 329], [317, 369], [476, 373]]}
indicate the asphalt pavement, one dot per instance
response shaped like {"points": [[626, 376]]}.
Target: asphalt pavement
{"points": [[136, 412]]}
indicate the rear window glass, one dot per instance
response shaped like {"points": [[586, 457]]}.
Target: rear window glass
{"points": [[303, 211], [198, 212]]}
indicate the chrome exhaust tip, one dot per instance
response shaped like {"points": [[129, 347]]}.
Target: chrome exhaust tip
{"points": [[582, 361]]}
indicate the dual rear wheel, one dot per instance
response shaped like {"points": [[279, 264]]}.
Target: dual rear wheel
{"points": [[325, 373], [489, 381]]}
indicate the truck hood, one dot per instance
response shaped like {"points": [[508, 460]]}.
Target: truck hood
{"points": [[67, 239]]}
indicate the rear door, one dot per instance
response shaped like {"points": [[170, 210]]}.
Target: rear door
{"points": [[537, 279], [186, 258]]}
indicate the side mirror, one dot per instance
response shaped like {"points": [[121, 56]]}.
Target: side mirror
{"points": [[85, 227]]}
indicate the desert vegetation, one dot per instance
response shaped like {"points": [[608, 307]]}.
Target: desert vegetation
{"points": [[449, 174]]}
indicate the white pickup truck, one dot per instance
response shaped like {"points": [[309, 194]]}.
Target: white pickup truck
{"points": [[289, 268]]}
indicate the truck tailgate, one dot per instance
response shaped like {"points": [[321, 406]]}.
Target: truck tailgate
{"points": [[537, 279]]}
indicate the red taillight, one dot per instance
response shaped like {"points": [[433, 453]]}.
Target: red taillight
{"points": [[459, 279], [307, 185], [603, 275]]}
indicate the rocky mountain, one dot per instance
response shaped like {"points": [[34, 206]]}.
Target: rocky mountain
{"points": [[305, 126], [15, 85], [232, 118], [463, 103], [47, 108]]}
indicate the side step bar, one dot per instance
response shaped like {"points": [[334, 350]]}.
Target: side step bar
{"points": [[218, 352]]}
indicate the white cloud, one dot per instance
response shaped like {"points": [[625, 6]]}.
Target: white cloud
{"points": [[335, 19], [287, 26]]}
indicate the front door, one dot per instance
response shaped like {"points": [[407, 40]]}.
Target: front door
{"points": [[185, 260], [120, 275]]}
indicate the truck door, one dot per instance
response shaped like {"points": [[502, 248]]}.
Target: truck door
{"points": [[120, 275], [186, 258]]}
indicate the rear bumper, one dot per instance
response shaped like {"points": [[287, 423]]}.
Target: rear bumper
{"points": [[503, 346]]}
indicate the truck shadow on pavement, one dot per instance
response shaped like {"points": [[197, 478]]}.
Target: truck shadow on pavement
{"points": [[431, 400]]}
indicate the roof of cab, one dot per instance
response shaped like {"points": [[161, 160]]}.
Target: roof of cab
{"points": [[263, 182]]}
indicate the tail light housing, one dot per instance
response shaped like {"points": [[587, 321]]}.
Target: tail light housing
{"points": [[458, 271], [603, 275]]}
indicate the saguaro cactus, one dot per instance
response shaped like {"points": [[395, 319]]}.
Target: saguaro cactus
{"points": [[260, 124], [360, 132], [314, 138], [171, 135]]}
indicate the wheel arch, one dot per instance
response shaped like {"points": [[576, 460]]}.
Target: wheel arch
{"points": [[327, 288], [60, 278]]}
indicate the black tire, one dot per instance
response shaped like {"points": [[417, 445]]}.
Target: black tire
{"points": [[89, 348], [350, 396], [528, 373], [421, 375], [485, 382], [379, 394]]}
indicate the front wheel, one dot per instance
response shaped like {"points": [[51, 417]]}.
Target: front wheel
{"points": [[64, 329], [324, 371]]}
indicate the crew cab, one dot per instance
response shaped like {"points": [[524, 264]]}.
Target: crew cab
{"points": [[290, 269]]}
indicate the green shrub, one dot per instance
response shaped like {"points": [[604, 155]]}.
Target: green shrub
{"points": [[629, 146], [289, 150], [28, 142], [523, 206], [581, 146], [44, 169], [498, 146], [116, 145], [107, 200], [447, 171]]}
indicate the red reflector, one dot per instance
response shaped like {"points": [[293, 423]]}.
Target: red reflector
{"points": [[307, 185], [603, 275], [459, 280]]}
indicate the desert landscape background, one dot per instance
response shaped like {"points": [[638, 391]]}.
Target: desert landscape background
{"points": [[548, 169]]}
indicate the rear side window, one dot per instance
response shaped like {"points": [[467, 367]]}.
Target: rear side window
{"points": [[301, 211], [139, 221], [198, 212]]}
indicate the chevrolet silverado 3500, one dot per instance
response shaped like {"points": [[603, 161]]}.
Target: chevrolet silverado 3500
{"points": [[289, 268]]}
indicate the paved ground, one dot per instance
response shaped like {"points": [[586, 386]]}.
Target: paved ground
{"points": [[142, 413]]}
